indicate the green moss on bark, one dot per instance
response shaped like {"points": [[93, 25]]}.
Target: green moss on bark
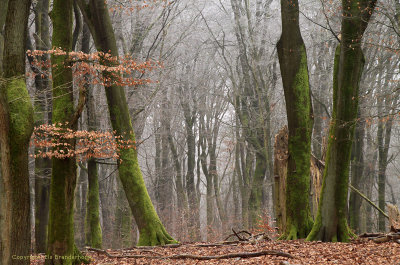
{"points": [[63, 180], [94, 235], [331, 221], [21, 111], [152, 232]]}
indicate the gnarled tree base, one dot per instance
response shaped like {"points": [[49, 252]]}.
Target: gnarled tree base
{"points": [[154, 235], [321, 232]]}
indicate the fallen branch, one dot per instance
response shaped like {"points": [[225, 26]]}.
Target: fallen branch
{"points": [[233, 255], [368, 200], [237, 235], [394, 237], [219, 244], [366, 235], [197, 257]]}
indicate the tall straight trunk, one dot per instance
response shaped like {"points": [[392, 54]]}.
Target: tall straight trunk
{"points": [[16, 125], [182, 202], [152, 231], [255, 199], [123, 220], [293, 63], [193, 200], [209, 178], [3, 14], [357, 174], [42, 107], [63, 180], [246, 164], [164, 190], [93, 230], [384, 135], [331, 221], [217, 191], [368, 183], [80, 206]]}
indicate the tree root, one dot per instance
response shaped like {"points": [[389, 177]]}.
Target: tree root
{"points": [[198, 257]]}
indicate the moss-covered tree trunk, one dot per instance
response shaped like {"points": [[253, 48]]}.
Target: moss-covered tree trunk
{"points": [[331, 221], [293, 64], [63, 180], [152, 231], [93, 229], [16, 127], [42, 108]]}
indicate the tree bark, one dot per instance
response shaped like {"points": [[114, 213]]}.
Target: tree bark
{"points": [[357, 174], [93, 235], [63, 180], [152, 231], [293, 63], [42, 107], [331, 221], [3, 14], [16, 127]]}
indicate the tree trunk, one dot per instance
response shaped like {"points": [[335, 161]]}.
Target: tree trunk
{"points": [[123, 220], [255, 199], [93, 231], [331, 221], [193, 200], [3, 14], [182, 202], [80, 206], [357, 174], [164, 191], [384, 134], [63, 181], [16, 127], [293, 63], [152, 231], [42, 107]]}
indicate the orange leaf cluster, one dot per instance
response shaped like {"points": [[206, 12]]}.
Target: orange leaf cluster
{"points": [[103, 68], [58, 141]]}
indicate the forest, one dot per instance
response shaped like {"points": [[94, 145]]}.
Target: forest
{"points": [[159, 131]]}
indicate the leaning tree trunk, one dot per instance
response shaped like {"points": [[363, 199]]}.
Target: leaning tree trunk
{"points": [[16, 125], [293, 63], [331, 222], [152, 231]]}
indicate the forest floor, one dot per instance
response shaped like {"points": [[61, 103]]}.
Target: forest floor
{"points": [[360, 251]]}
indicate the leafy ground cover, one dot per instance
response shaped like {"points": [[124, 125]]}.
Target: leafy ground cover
{"points": [[360, 251]]}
